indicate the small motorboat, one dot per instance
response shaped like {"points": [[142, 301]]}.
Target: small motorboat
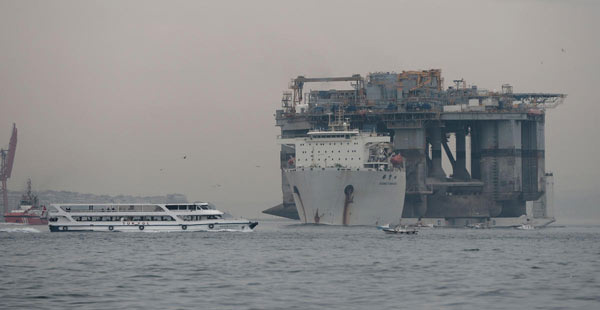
{"points": [[477, 226], [525, 227], [400, 230], [422, 225]]}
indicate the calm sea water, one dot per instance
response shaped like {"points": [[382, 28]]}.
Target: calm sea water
{"points": [[283, 265]]}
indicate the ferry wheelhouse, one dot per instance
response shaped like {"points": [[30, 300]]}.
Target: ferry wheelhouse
{"points": [[143, 217]]}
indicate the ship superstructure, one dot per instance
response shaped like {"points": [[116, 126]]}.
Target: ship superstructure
{"points": [[342, 176], [492, 140]]}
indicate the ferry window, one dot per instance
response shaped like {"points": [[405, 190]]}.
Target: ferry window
{"points": [[172, 207], [152, 208]]}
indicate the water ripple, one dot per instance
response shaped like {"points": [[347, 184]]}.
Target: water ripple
{"points": [[291, 266]]}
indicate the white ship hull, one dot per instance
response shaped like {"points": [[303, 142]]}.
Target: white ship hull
{"points": [[348, 197], [224, 225]]}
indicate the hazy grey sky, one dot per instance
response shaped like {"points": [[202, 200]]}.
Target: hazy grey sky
{"points": [[105, 94]]}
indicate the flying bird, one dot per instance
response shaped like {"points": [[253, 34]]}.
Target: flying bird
{"points": [[184, 156]]}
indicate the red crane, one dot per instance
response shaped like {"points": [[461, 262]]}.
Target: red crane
{"points": [[8, 157]]}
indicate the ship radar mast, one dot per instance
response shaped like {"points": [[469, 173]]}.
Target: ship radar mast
{"points": [[339, 123]]}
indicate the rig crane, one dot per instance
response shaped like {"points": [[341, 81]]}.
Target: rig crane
{"points": [[297, 84], [8, 157]]}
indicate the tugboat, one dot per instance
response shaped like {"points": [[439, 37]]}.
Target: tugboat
{"points": [[29, 211]]}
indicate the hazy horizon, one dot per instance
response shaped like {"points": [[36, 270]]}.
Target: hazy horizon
{"points": [[110, 96]]}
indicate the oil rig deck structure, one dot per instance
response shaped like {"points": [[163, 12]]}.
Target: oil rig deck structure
{"points": [[494, 141]]}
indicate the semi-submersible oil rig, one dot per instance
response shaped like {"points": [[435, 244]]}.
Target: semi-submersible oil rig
{"points": [[494, 141]]}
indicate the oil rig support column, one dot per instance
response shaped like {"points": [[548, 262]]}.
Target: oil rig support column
{"points": [[460, 170], [435, 138], [410, 143]]}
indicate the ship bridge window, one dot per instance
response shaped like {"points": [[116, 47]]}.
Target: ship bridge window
{"points": [[152, 208], [75, 208], [130, 208]]}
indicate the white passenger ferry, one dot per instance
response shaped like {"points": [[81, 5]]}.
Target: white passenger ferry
{"points": [[142, 217]]}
